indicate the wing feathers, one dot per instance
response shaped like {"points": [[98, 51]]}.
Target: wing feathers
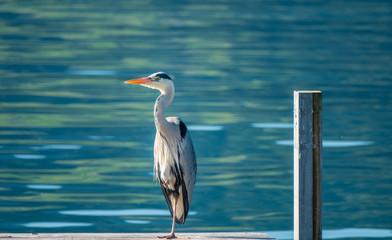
{"points": [[179, 191], [175, 166]]}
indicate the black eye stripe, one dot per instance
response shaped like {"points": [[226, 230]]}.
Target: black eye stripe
{"points": [[163, 75]]}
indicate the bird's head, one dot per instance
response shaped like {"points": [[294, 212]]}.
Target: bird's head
{"points": [[159, 80]]}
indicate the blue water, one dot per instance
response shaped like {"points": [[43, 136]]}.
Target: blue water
{"points": [[76, 143]]}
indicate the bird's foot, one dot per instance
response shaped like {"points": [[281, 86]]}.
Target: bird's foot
{"points": [[172, 236], [166, 184]]}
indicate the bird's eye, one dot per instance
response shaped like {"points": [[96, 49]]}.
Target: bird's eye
{"points": [[157, 78]]}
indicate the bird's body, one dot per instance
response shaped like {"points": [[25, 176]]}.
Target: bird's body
{"points": [[172, 165], [174, 156]]}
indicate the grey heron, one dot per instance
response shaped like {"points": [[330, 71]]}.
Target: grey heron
{"points": [[174, 156]]}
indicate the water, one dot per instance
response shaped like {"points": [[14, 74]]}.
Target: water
{"points": [[76, 143]]}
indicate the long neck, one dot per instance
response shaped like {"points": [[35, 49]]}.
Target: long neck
{"points": [[161, 103]]}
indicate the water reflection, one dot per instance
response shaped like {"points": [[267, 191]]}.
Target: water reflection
{"points": [[29, 156], [348, 233], [101, 137], [331, 143], [138, 221], [93, 72], [117, 212], [205, 128], [272, 125], [57, 147], [120, 212], [55, 224], [44, 186]]}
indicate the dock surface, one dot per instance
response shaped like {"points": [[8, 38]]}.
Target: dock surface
{"points": [[124, 236]]}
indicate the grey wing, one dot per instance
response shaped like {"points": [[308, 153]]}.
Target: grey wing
{"points": [[187, 159]]}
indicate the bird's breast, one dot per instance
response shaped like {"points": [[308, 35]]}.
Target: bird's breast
{"points": [[165, 165]]}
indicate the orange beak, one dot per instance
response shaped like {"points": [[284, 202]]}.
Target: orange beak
{"points": [[138, 81]]}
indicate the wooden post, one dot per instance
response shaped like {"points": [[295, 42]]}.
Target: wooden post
{"points": [[307, 165]]}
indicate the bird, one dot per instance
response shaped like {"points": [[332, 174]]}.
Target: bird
{"points": [[175, 165]]}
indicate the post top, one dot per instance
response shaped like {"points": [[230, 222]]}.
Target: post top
{"points": [[308, 91]]}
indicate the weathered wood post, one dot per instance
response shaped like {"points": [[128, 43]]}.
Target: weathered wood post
{"points": [[307, 165]]}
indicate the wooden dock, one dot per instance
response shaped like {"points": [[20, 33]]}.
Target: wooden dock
{"points": [[124, 236]]}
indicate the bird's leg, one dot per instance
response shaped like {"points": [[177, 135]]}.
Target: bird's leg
{"points": [[171, 235]]}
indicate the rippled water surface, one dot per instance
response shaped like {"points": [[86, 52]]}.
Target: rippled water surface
{"points": [[76, 144]]}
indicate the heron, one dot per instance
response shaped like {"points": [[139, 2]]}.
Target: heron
{"points": [[174, 156]]}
